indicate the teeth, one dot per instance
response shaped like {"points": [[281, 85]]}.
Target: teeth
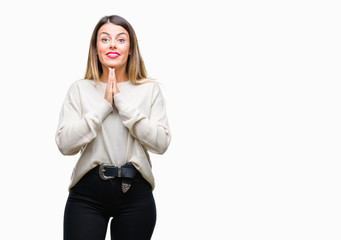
{"points": [[112, 55]]}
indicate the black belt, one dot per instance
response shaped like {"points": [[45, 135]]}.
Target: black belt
{"points": [[127, 172]]}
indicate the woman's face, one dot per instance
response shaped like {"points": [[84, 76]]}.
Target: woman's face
{"points": [[113, 46]]}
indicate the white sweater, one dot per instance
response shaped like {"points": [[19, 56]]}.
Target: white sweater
{"points": [[116, 135]]}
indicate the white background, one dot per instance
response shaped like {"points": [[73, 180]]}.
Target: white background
{"points": [[253, 99]]}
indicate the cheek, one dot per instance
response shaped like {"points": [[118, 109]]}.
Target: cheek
{"points": [[99, 49], [100, 53], [125, 49]]}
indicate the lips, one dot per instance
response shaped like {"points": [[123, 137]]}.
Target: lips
{"points": [[113, 55]]}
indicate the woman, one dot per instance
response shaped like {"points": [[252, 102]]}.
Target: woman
{"points": [[113, 118]]}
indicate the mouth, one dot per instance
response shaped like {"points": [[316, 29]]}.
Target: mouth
{"points": [[113, 55]]}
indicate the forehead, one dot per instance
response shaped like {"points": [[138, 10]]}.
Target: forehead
{"points": [[112, 29]]}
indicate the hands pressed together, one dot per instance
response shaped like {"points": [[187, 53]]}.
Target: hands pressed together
{"points": [[112, 88]]}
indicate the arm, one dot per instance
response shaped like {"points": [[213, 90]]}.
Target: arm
{"points": [[75, 131], [152, 132]]}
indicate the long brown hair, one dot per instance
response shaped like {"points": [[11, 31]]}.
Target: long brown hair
{"points": [[135, 65]]}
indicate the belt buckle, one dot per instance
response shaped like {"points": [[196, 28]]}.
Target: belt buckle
{"points": [[102, 170]]}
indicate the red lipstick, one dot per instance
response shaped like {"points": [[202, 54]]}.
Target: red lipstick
{"points": [[113, 55]]}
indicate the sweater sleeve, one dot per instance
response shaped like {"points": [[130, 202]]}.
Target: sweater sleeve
{"points": [[75, 131], [152, 132]]}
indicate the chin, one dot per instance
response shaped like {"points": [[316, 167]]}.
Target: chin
{"points": [[109, 65], [112, 64]]}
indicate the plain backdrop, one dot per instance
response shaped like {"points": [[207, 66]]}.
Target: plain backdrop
{"points": [[253, 100]]}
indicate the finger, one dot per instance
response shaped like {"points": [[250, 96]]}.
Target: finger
{"points": [[114, 88], [110, 73], [108, 91], [109, 86], [108, 94], [112, 76]]}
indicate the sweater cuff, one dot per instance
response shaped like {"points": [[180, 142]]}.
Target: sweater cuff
{"points": [[104, 109], [128, 114], [124, 109], [119, 101]]}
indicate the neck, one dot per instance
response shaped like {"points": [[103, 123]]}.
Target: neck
{"points": [[120, 75]]}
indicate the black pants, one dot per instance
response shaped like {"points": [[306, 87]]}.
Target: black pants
{"points": [[93, 201]]}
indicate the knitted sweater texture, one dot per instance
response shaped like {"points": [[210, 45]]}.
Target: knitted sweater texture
{"points": [[102, 133]]}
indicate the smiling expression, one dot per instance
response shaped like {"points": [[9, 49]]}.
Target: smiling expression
{"points": [[113, 46]]}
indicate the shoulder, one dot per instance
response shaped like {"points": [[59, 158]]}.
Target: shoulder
{"points": [[150, 84], [154, 89], [145, 88], [81, 84], [77, 87]]}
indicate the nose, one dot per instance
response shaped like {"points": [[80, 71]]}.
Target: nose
{"points": [[112, 44]]}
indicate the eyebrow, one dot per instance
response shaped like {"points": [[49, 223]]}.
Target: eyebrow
{"points": [[116, 35]]}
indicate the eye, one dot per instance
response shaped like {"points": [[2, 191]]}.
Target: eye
{"points": [[105, 40], [121, 40]]}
